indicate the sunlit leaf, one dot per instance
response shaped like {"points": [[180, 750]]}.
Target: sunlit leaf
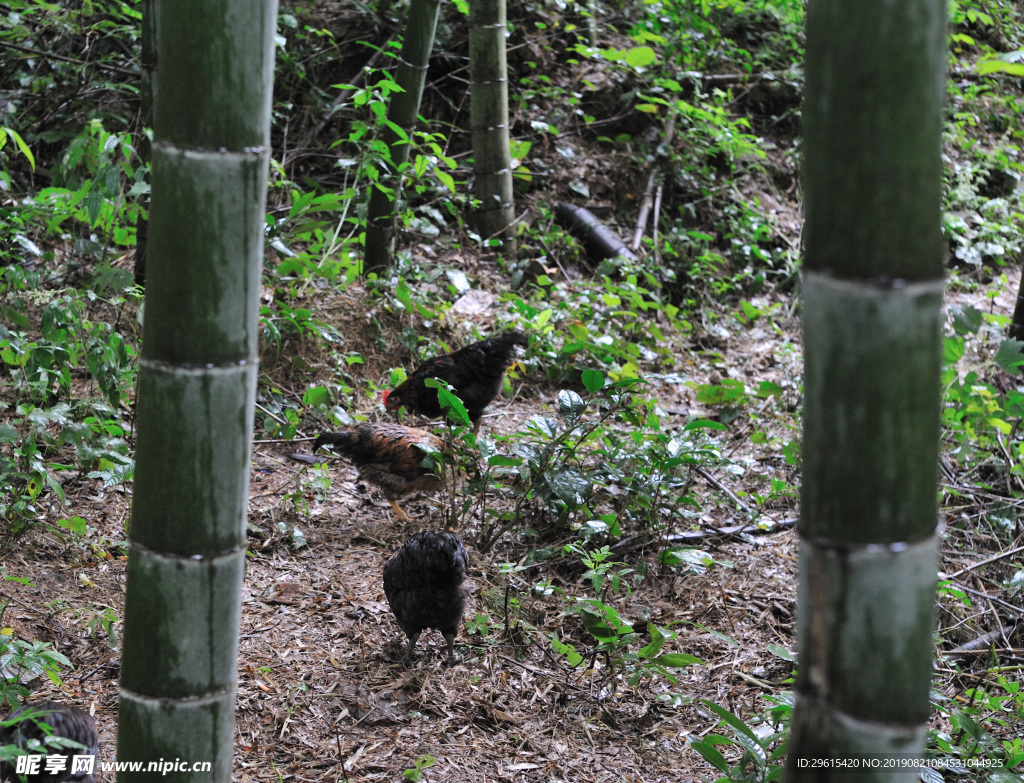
{"points": [[640, 56]]}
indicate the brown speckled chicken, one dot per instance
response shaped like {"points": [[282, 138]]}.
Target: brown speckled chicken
{"points": [[425, 582], [474, 372], [64, 721], [389, 455]]}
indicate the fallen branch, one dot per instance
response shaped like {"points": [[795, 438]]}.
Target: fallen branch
{"points": [[599, 241], [649, 199], [986, 561], [983, 643], [627, 545], [50, 56]]}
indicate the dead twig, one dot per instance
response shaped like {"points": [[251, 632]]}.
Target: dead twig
{"points": [[987, 561]]}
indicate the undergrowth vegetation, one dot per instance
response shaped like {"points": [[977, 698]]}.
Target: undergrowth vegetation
{"points": [[700, 98]]}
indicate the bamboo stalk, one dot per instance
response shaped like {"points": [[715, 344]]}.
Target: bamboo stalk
{"points": [[197, 385], [872, 295], [385, 201], [492, 161]]}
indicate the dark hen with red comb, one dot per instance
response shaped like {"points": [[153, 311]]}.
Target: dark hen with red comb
{"points": [[64, 721], [474, 372], [425, 582]]}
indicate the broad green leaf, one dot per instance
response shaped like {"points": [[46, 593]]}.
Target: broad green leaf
{"points": [[782, 652], [76, 525], [704, 424], [570, 406], [752, 745], [591, 528], [966, 320], [21, 145], [579, 331], [316, 396], [640, 56], [732, 720], [55, 487], [593, 380], [1009, 356], [711, 755], [986, 67], [696, 560], [677, 660], [729, 390], [446, 179], [750, 311], [451, 404], [34, 485], [952, 350], [657, 641], [502, 461], [570, 486], [487, 448], [603, 622], [546, 425], [574, 658], [1004, 427], [519, 149]]}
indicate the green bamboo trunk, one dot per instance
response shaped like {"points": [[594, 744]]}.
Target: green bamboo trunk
{"points": [[1016, 330], [197, 382], [418, 41], [872, 341], [147, 89], [488, 74]]}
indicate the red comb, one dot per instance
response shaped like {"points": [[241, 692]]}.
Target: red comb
{"points": [[384, 396]]}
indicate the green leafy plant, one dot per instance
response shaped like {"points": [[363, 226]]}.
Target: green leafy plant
{"points": [[416, 772], [23, 661], [615, 322], [760, 756], [975, 720], [15, 137], [69, 341], [314, 239], [279, 319], [102, 622], [23, 476], [613, 635], [978, 417], [317, 480], [563, 469]]}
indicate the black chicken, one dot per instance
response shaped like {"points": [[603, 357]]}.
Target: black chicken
{"points": [[64, 721], [425, 582], [474, 372], [389, 455]]}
